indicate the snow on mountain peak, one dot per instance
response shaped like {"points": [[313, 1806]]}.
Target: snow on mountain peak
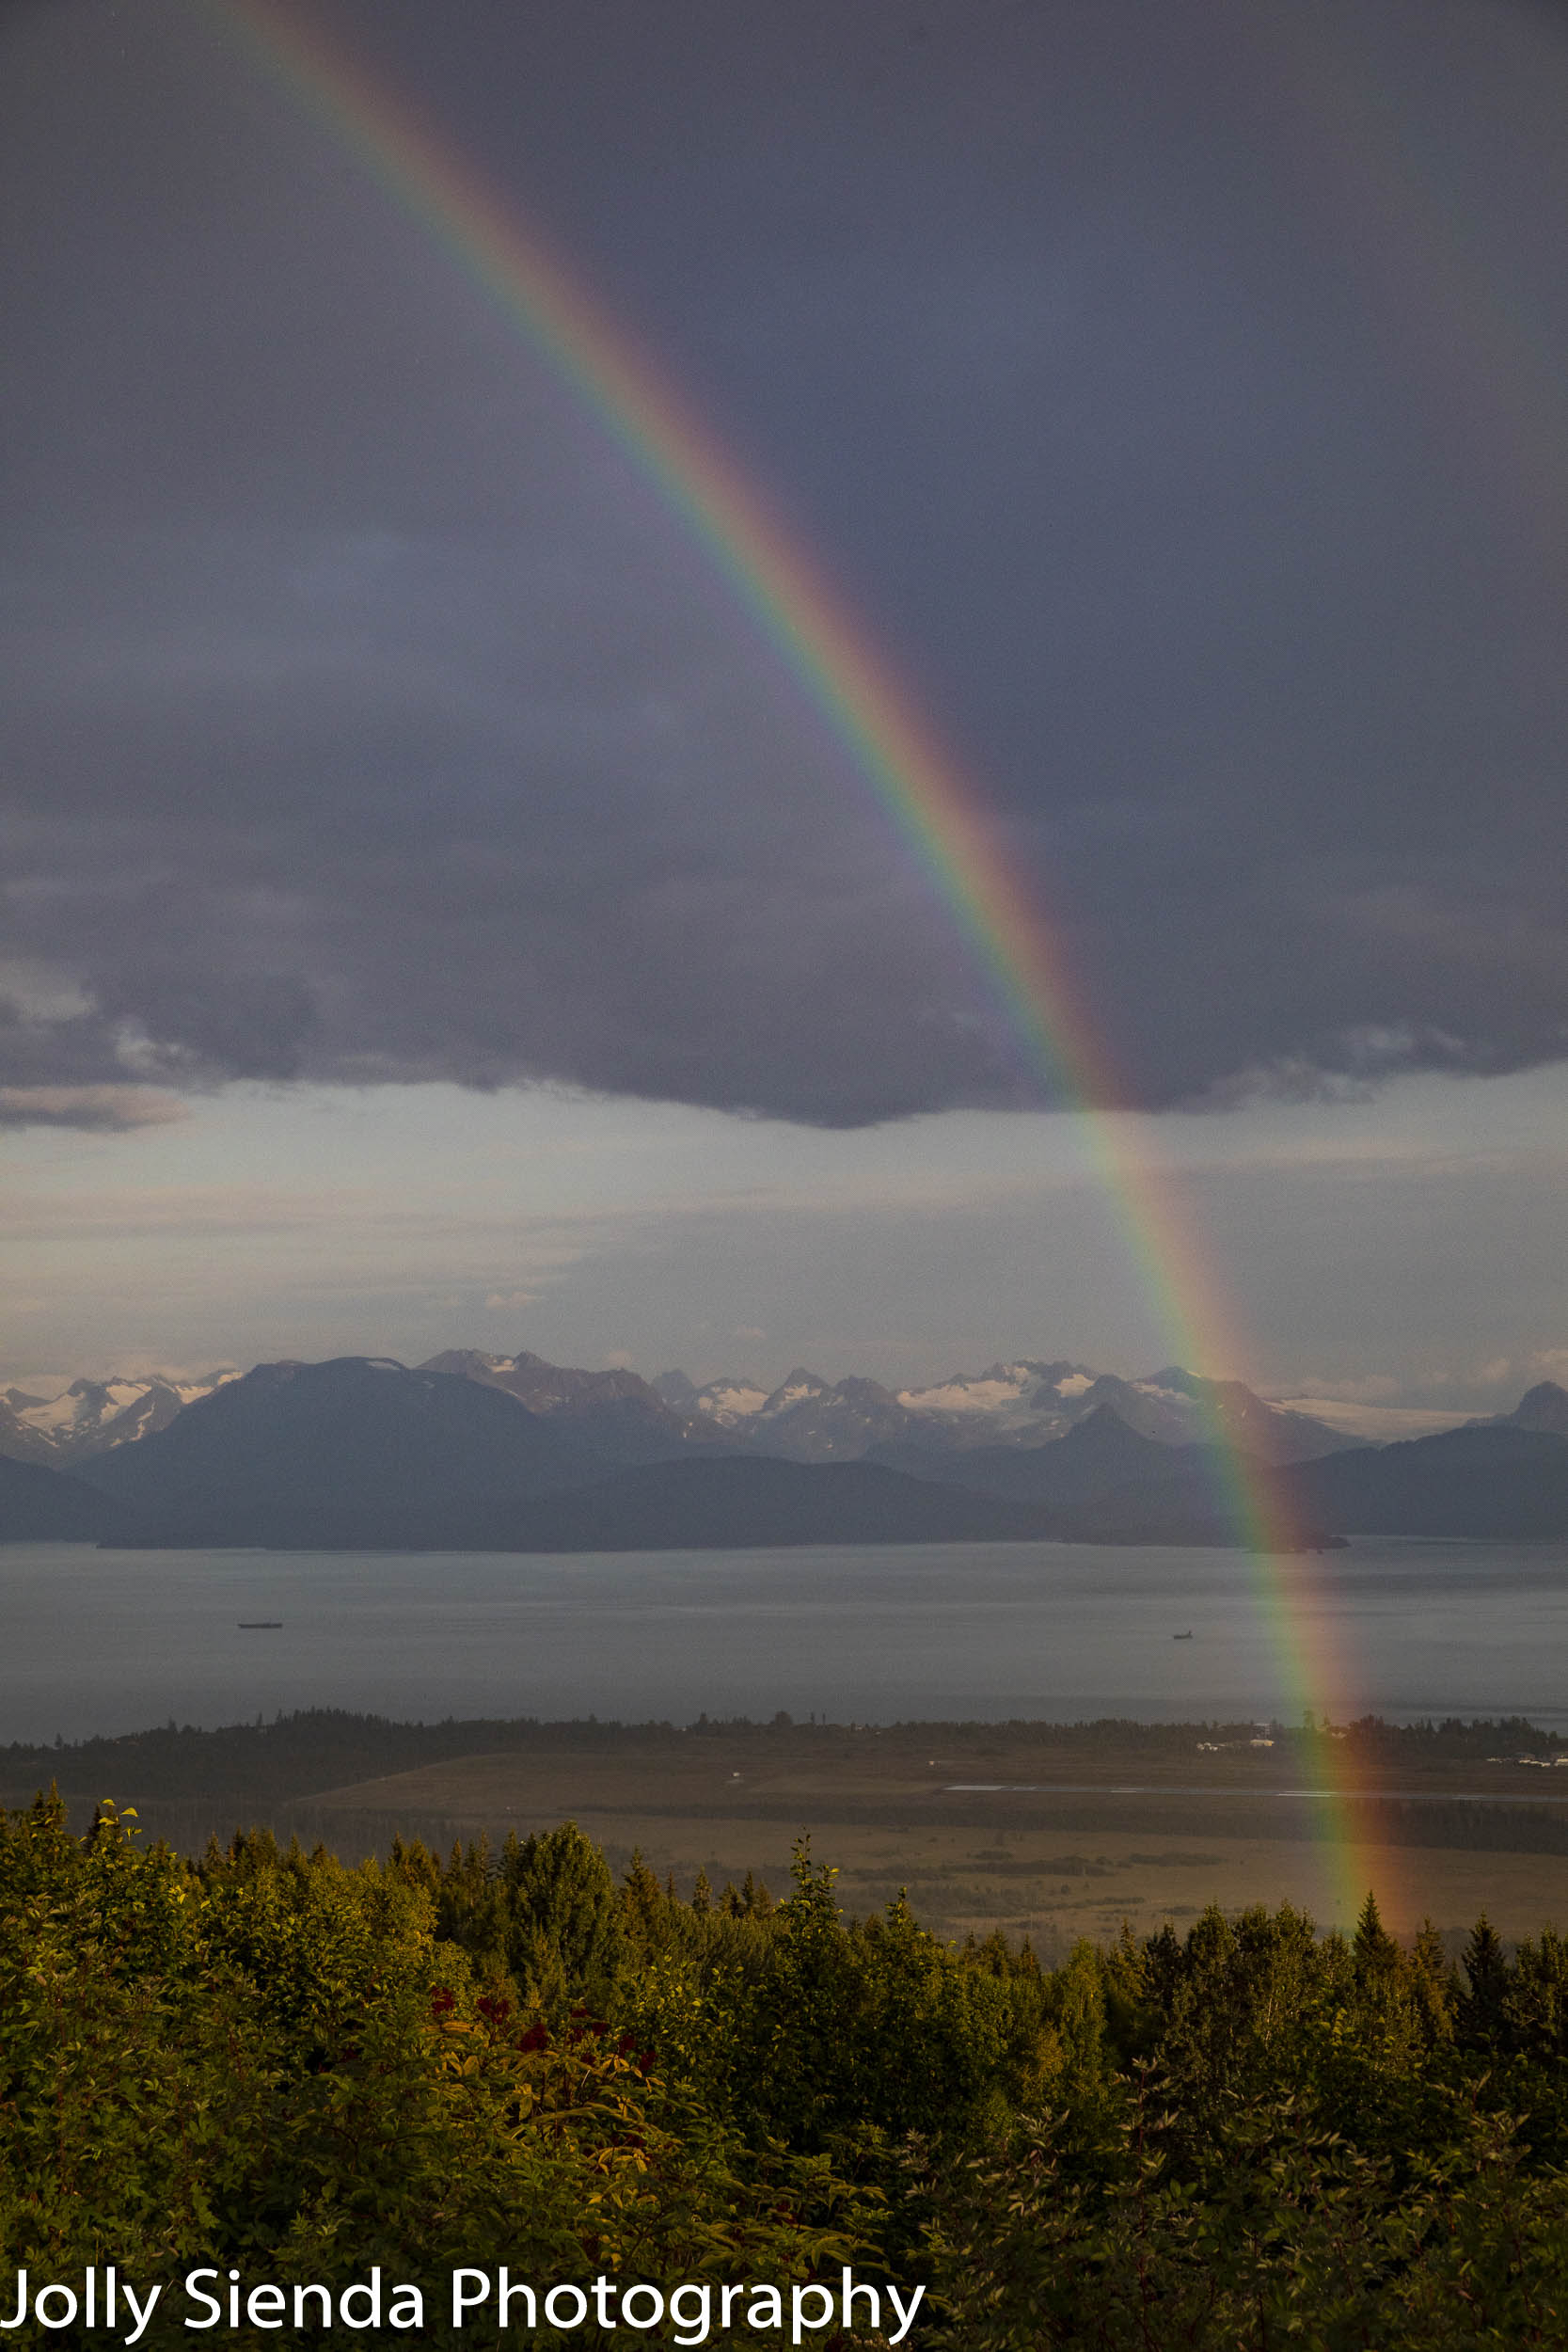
{"points": [[727, 1401], [92, 1416], [1020, 1403]]}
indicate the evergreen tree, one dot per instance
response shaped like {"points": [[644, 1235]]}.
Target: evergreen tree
{"points": [[1376, 1954], [1480, 2005]]}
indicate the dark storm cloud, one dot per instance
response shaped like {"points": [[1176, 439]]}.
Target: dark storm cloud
{"points": [[1179, 393], [376, 837]]}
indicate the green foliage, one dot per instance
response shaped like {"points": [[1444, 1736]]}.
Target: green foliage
{"points": [[1246, 2137], [1268, 2229], [1260, 2136], [271, 2061]]}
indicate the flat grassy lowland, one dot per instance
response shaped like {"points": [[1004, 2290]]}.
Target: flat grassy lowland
{"points": [[1047, 1831]]}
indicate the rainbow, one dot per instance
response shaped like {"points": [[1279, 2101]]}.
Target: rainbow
{"points": [[935, 807]]}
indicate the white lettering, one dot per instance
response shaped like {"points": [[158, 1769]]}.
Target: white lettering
{"points": [[467, 2301], [372, 2318], [850, 2291], [699, 2319], [555, 2318], [773, 2308], [260, 2305], [906, 2317], [201, 2294], [798, 2310], [408, 2308], [44, 2296], [508, 2291], [629, 2316], [142, 2312]]}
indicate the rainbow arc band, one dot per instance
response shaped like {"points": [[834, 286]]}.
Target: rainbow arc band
{"points": [[934, 806]]}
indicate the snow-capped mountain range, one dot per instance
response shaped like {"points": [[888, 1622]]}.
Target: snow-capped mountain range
{"points": [[365, 1452], [1025, 1403], [92, 1416]]}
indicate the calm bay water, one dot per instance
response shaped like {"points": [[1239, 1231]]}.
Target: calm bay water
{"points": [[95, 1641]]}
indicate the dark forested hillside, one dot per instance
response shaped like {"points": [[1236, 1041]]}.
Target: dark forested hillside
{"points": [[41, 1506], [751, 1501], [340, 1452], [474, 1471], [1098, 1454], [1496, 1479]]}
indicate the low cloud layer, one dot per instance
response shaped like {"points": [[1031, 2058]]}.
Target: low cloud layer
{"points": [[366, 718], [102, 1109]]}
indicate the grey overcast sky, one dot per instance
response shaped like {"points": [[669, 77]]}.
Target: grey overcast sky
{"points": [[433, 913]]}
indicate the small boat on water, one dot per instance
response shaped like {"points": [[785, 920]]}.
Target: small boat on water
{"points": [[261, 1625], [1183, 1637]]}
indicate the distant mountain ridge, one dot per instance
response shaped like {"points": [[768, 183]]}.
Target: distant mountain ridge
{"points": [[1027, 1403], [366, 1452], [618, 1418], [616, 1414], [1500, 1478], [305, 1454], [547, 1387], [48, 1506], [94, 1415], [1098, 1456], [1544, 1407]]}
